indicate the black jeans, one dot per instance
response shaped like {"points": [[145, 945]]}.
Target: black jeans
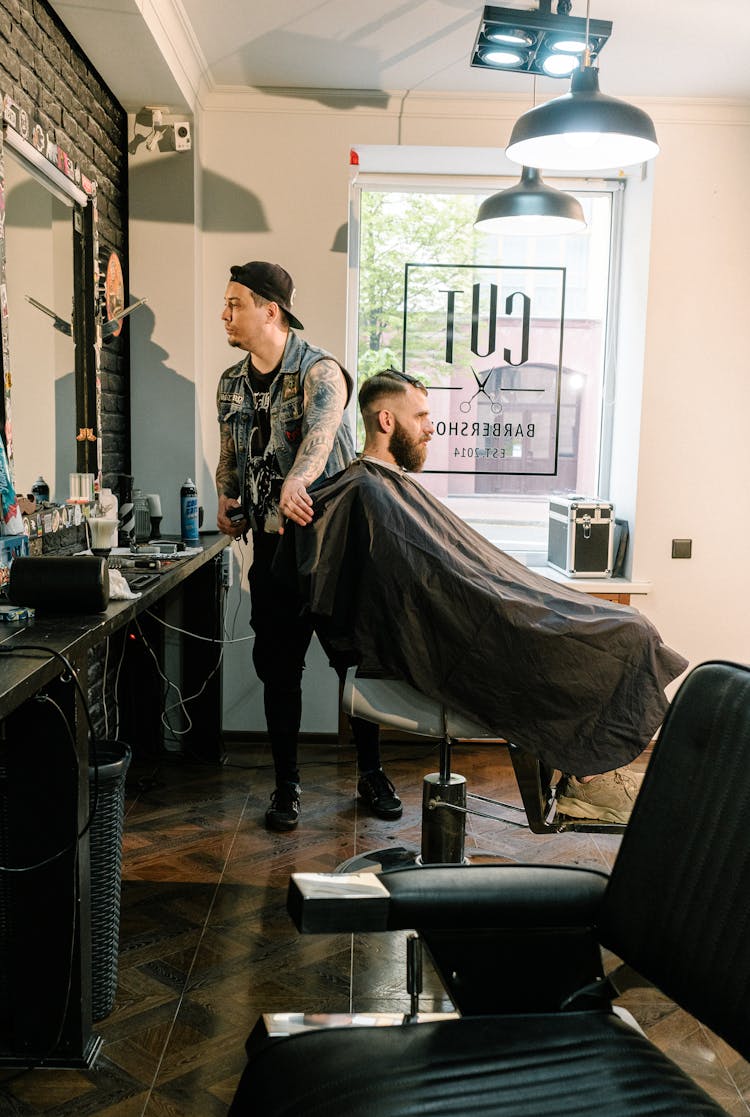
{"points": [[282, 636]]}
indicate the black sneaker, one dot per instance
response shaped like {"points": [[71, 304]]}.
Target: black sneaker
{"points": [[380, 795], [283, 814]]}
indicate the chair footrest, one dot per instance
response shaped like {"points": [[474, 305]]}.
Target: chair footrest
{"points": [[328, 903]]}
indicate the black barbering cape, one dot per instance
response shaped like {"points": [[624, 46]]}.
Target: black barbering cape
{"points": [[404, 588]]}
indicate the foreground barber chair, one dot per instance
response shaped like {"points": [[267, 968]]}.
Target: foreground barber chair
{"points": [[518, 950], [397, 705]]}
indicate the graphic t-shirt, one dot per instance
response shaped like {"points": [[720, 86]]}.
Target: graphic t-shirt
{"points": [[263, 479]]}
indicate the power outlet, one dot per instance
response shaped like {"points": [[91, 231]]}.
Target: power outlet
{"points": [[226, 568], [682, 548]]}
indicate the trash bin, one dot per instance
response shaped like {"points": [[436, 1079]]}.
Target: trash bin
{"points": [[105, 843]]}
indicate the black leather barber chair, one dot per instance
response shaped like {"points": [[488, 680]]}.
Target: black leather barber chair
{"points": [[518, 950], [397, 705]]}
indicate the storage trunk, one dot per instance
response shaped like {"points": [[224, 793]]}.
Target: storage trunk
{"points": [[581, 536]]}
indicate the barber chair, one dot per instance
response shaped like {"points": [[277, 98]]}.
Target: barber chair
{"points": [[397, 705], [518, 950]]}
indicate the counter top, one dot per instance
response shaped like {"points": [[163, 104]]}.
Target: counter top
{"points": [[73, 634]]}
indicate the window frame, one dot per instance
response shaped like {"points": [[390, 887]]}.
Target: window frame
{"points": [[520, 520]]}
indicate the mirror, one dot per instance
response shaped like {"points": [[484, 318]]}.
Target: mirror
{"points": [[48, 275], [39, 285]]}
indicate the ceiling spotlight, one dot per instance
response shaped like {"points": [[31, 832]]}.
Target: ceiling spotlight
{"points": [[568, 46], [560, 65], [510, 36], [530, 208], [494, 56]]}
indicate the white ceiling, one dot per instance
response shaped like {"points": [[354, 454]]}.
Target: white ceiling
{"points": [[391, 45]]}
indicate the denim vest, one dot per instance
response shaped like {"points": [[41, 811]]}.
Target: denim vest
{"points": [[235, 406]]}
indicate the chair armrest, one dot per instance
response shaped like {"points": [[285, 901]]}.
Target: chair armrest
{"points": [[443, 897]]}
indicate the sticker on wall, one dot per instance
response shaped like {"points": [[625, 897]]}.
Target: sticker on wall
{"points": [[65, 163], [32, 132], [487, 340], [114, 294], [10, 112]]}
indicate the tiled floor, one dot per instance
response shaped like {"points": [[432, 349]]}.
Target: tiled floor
{"points": [[206, 944]]}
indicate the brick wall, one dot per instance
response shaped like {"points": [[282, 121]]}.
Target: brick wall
{"points": [[46, 73]]}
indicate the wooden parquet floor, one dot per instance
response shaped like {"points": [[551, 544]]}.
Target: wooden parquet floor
{"points": [[207, 946]]}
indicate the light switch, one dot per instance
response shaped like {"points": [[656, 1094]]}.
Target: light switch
{"points": [[682, 548]]}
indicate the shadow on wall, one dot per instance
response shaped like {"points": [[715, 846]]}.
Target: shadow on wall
{"points": [[171, 439], [23, 202], [348, 61], [161, 191], [341, 239]]}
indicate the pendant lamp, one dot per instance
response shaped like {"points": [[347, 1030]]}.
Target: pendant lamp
{"points": [[530, 208], [583, 130]]}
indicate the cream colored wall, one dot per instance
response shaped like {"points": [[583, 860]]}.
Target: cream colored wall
{"points": [[694, 467], [163, 267], [291, 155]]}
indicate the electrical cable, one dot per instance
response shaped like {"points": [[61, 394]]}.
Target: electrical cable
{"points": [[117, 684], [181, 704], [72, 847], [104, 688], [196, 635], [92, 811], [35, 1064], [241, 551], [19, 649], [210, 639], [71, 674]]}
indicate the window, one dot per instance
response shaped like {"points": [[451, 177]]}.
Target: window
{"points": [[509, 334]]}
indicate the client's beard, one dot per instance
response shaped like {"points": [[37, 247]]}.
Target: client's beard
{"points": [[409, 453]]}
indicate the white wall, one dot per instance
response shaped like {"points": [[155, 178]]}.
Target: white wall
{"points": [[273, 171], [694, 466], [164, 268]]}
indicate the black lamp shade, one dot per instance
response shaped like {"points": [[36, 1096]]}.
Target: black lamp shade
{"points": [[583, 130], [530, 208]]}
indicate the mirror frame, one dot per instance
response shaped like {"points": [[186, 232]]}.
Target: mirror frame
{"points": [[86, 320]]}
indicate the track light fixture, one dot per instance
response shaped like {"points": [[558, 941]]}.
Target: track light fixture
{"points": [[537, 42], [530, 208]]}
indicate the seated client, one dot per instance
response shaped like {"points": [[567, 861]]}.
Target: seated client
{"points": [[405, 589]]}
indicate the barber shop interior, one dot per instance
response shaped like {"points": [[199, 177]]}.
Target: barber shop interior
{"points": [[374, 674]]}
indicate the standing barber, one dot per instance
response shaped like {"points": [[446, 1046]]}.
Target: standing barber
{"points": [[281, 423]]}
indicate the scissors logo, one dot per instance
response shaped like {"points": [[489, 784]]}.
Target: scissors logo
{"points": [[495, 406]]}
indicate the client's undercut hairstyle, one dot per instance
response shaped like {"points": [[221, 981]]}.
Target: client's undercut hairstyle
{"points": [[385, 383]]}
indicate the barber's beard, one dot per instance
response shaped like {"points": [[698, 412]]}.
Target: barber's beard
{"points": [[408, 452]]}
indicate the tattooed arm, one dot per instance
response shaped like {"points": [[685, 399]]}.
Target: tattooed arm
{"points": [[325, 400], [227, 482]]}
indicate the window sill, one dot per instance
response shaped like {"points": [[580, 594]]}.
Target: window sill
{"points": [[593, 585]]}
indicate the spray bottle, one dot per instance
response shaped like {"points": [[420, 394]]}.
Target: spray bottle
{"points": [[189, 513]]}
